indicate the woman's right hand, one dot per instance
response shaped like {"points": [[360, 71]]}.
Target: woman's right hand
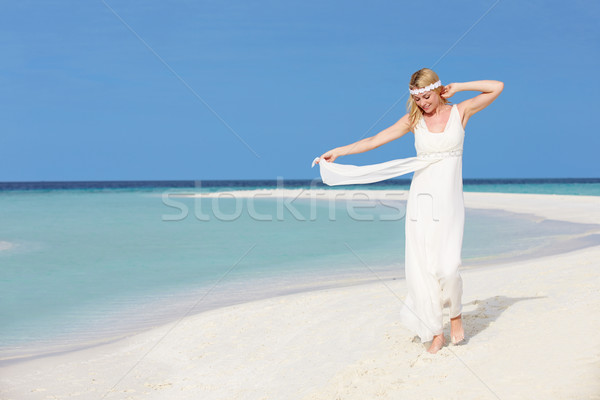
{"points": [[449, 90], [330, 156]]}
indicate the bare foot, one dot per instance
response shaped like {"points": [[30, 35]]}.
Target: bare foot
{"points": [[437, 343], [457, 333]]}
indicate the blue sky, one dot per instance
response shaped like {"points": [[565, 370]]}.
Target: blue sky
{"points": [[257, 89]]}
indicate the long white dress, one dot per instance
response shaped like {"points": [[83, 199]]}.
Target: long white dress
{"points": [[434, 221]]}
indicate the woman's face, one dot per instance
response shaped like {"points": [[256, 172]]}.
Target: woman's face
{"points": [[427, 101]]}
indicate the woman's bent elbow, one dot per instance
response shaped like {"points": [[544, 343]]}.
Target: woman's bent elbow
{"points": [[500, 86]]}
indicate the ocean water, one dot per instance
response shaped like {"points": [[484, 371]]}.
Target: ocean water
{"points": [[570, 186], [85, 263]]}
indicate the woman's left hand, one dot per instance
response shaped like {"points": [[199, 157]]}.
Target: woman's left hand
{"points": [[449, 90]]}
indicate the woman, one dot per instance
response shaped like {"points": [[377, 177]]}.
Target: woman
{"points": [[435, 208]]}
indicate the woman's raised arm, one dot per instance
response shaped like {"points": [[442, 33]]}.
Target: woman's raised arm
{"points": [[490, 91], [399, 129]]}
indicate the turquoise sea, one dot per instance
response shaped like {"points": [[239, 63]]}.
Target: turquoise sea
{"points": [[86, 262]]}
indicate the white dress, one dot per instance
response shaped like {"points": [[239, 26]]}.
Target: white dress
{"points": [[435, 217], [434, 221]]}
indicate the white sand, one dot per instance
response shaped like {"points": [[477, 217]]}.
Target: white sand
{"points": [[532, 329]]}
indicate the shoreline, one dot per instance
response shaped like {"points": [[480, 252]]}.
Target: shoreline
{"points": [[198, 342], [341, 282], [349, 281], [168, 304]]}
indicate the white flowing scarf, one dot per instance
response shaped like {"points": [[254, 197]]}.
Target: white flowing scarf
{"points": [[334, 174]]}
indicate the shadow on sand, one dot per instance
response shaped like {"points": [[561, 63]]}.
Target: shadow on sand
{"points": [[487, 311]]}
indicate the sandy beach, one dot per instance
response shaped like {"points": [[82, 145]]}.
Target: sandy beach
{"points": [[531, 329]]}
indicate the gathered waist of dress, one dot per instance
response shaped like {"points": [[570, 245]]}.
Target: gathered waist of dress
{"points": [[441, 154]]}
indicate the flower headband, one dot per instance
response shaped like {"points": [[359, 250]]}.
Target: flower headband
{"points": [[426, 88]]}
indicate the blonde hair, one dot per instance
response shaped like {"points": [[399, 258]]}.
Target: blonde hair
{"points": [[420, 79]]}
